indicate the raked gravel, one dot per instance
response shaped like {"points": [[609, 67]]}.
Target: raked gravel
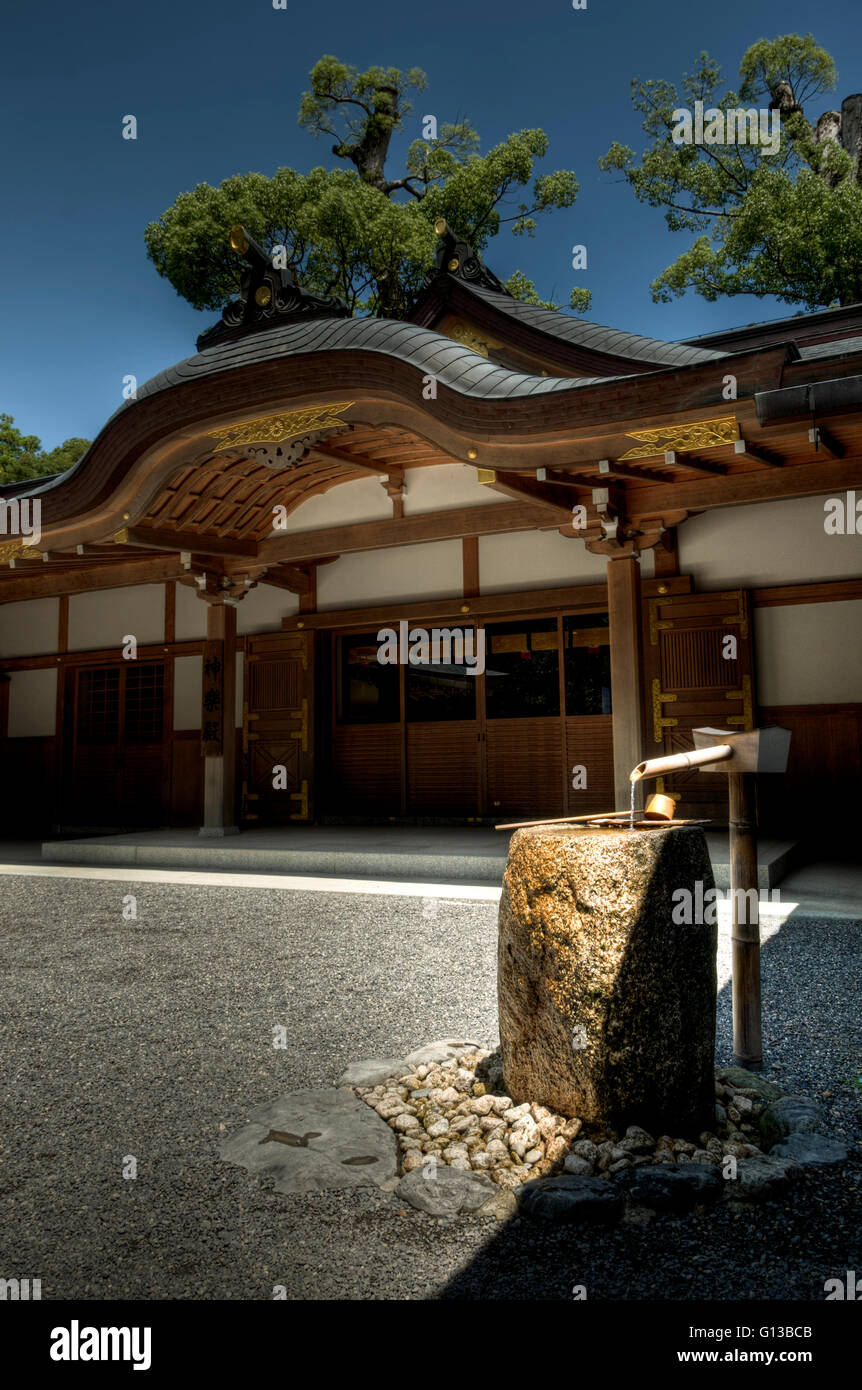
{"points": [[153, 1038]]}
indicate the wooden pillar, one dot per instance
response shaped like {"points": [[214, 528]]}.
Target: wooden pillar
{"points": [[624, 612], [218, 721], [745, 933]]}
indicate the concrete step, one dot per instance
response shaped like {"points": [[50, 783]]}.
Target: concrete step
{"points": [[427, 854]]}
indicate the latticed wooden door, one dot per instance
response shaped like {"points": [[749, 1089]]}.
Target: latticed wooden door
{"points": [[278, 729], [118, 745], [699, 673]]}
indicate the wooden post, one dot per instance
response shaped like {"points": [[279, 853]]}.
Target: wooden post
{"points": [[745, 934], [624, 612], [219, 720]]}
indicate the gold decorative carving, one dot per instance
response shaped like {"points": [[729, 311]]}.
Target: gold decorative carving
{"points": [[10, 550], [659, 722], [274, 429], [468, 337], [739, 617], [699, 434]]}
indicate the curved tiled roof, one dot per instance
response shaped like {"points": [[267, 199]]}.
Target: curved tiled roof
{"points": [[595, 337], [454, 365]]}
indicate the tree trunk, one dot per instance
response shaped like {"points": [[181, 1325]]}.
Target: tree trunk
{"points": [[851, 132]]}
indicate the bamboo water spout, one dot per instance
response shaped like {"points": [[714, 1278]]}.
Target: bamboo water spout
{"points": [[677, 762]]}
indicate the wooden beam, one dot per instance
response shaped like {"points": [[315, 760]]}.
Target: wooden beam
{"points": [[800, 480], [624, 615], [753, 452], [470, 566], [666, 554], [220, 768], [549, 495], [410, 530], [200, 542], [825, 443], [581, 598], [608, 469], [555, 475], [120, 576], [170, 611], [831, 591], [697, 465]]}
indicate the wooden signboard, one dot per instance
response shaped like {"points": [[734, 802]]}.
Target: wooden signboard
{"points": [[212, 700]]}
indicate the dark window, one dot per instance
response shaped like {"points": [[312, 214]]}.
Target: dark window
{"points": [[587, 655], [144, 703], [522, 669], [366, 691], [98, 706], [442, 690]]}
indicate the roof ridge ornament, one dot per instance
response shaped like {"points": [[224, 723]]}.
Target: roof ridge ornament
{"points": [[269, 295], [459, 259]]}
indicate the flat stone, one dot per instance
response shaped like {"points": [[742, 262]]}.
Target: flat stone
{"points": [[670, 1186], [502, 1206], [760, 1178], [811, 1150], [742, 1080], [789, 1115], [571, 1200], [448, 1192], [443, 1050], [311, 1141], [373, 1072], [606, 1005]]}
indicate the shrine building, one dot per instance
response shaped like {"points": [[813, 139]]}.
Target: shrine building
{"points": [[646, 536]]}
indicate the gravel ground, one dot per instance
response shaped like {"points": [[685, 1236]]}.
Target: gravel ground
{"points": [[150, 1037]]}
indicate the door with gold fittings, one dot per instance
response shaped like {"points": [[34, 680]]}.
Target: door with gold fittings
{"points": [[278, 729], [698, 673]]}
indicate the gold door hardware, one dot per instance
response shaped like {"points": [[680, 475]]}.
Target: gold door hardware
{"points": [[302, 733], [746, 719], [660, 722], [302, 798], [739, 617], [656, 624]]}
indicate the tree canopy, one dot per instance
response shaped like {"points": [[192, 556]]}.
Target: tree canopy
{"points": [[22, 456], [786, 223], [363, 233]]}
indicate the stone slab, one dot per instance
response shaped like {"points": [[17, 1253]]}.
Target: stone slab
{"points": [[445, 1191], [311, 1141]]}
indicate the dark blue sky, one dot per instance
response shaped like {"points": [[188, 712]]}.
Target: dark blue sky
{"points": [[216, 87]]}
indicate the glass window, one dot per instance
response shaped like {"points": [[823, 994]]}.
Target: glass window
{"points": [[522, 669], [366, 691], [441, 690], [587, 663]]}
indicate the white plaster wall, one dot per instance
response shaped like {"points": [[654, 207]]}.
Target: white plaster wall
{"points": [[30, 628], [363, 500], [263, 608], [103, 618], [32, 704], [772, 543], [190, 614], [809, 653], [188, 676], [402, 574], [445, 486], [536, 560]]}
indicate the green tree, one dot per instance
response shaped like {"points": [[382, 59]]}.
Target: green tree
{"points": [[359, 232], [22, 456], [786, 223]]}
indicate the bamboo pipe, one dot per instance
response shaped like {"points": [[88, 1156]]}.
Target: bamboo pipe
{"points": [[657, 767]]}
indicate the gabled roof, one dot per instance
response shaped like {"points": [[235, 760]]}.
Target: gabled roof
{"points": [[595, 337]]}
